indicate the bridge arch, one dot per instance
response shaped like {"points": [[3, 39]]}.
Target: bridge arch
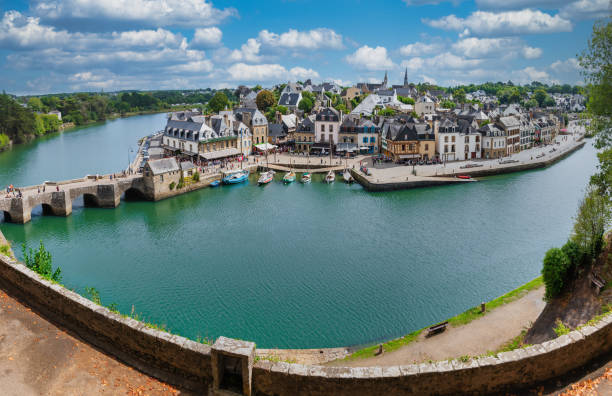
{"points": [[43, 209], [5, 217], [134, 194], [89, 200]]}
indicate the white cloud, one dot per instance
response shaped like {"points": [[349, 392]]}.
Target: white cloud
{"points": [[268, 72], [20, 32], [419, 49], [516, 4], [414, 63], [530, 74], [207, 37], [248, 52], [149, 12], [294, 39], [483, 23], [443, 61], [586, 9], [199, 66], [568, 65], [508, 48], [370, 58], [531, 52]]}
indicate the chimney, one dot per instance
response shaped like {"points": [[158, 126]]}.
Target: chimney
{"points": [[278, 117], [246, 118]]}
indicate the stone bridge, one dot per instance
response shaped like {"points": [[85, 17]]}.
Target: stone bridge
{"points": [[101, 192]]}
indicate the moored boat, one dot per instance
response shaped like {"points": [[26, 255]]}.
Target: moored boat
{"points": [[289, 177], [266, 177], [330, 177], [306, 178], [215, 183], [235, 177], [464, 177], [348, 178]]}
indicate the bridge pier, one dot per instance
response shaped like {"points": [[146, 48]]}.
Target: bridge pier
{"points": [[108, 196]]}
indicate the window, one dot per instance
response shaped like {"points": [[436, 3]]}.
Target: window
{"points": [[403, 147], [322, 128], [445, 148], [467, 139], [453, 140], [445, 139], [190, 148], [331, 128], [453, 148], [365, 139], [426, 146], [477, 138], [372, 140]]}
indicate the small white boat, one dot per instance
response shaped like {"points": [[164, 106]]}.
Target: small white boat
{"points": [[289, 177], [306, 178], [235, 177], [330, 177], [348, 178], [266, 177]]}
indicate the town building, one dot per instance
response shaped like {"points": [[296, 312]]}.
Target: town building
{"points": [[327, 125], [424, 105], [512, 127], [305, 134], [256, 121], [409, 141], [493, 141]]}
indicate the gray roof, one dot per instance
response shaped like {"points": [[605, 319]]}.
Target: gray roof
{"points": [[186, 165], [289, 99], [163, 165], [186, 125]]}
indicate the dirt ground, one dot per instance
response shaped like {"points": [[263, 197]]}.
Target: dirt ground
{"points": [[478, 337], [37, 358]]}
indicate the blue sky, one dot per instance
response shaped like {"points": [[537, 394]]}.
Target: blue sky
{"points": [[92, 45]]}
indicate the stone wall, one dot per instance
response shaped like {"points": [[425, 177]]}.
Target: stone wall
{"points": [[188, 364], [169, 357]]}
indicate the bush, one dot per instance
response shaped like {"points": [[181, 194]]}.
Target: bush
{"points": [[561, 329], [5, 250], [573, 252], [40, 262], [554, 271], [172, 185], [196, 177]]}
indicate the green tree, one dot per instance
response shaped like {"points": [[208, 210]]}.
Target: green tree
{"points": [[531, 103], [35, 104], [573, 252], [4, 141], [592, 220], [305, 105], [386, 112], [554, 271], [448, 104], [218, 102], [265, 99], [459, 95], [405, 100], [596, 64], [540, 95]]}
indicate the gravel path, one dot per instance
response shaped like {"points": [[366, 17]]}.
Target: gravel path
{"points": [[478, 337]]}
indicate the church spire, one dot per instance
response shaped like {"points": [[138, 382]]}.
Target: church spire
{"points": [[384, 84], [406, 78]]}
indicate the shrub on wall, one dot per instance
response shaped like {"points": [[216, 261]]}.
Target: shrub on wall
{"points": [[554, 271], [172, 185], [196, 176], [39, 261]]}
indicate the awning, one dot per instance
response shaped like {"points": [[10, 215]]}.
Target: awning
{"points": [[409, 156], [220, 154], [350, 147], [364, 148], [265, 146]]}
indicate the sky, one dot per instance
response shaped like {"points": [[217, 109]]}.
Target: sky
{"points": [[51, 46]]}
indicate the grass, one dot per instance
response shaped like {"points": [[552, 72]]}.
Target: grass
{"points": [[474, 313], [273, 359], [561, 329], [387, 346], [6, 250], [459, 320], [515, 343]]}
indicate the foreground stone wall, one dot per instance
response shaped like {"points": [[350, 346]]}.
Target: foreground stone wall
{"points": [[172, 358], [188, 364]]}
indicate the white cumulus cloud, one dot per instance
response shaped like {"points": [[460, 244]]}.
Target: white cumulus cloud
{"points": [[268, 72], [484, 23], [587, 9], [531, 52], [294, 39], [207, 37], [370, 58], [189, 13], [419, 49]]}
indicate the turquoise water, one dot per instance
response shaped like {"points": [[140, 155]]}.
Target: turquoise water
{"points": [[299, 265]]}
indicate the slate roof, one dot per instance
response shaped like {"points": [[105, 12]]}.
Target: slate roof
{"points": [[186, 125], [289, 99], [186, 165], [163, 165], [276, 130]]}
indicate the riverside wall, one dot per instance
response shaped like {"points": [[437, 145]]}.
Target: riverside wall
{"points": [[189, 364]]}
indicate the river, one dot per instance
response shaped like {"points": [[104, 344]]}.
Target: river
{"points": [[297, 266]]}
